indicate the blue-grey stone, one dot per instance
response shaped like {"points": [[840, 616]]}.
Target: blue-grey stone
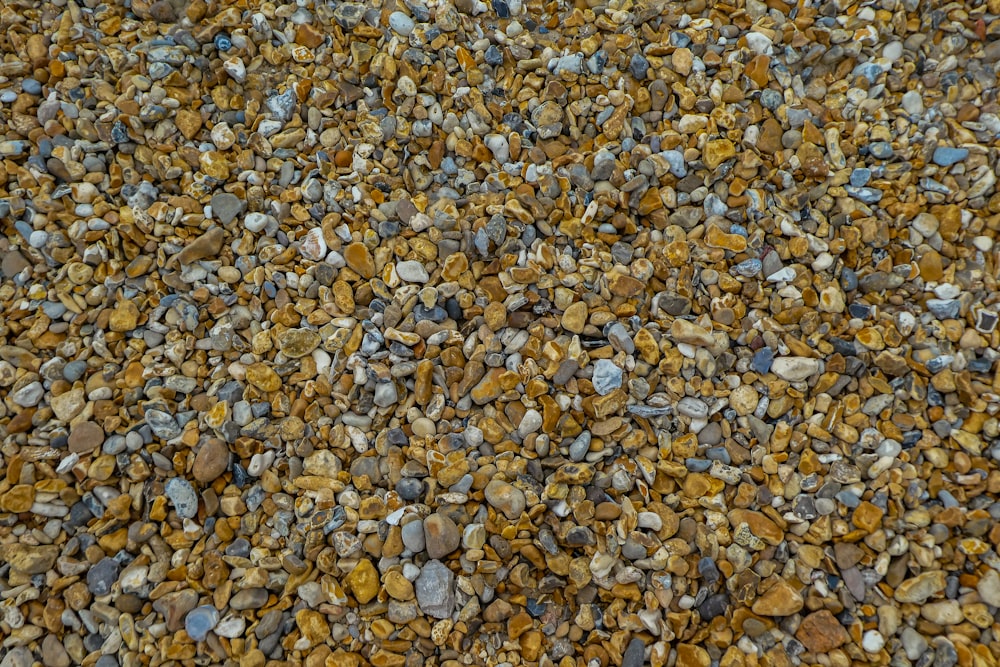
{"points": [[410, 488], [939, 363], [697, 465], [762, 360], [638, 66], [869, 70], [200, 621], [74, 370], [435, 590], [102, 576], [771, 99], [634, 655], [945, 156], [183, 497], [865, 194], [848, 279], [676, 161], [581, 445], [493, 56], [880, 149], [607, 377], [860, 176], [748, 268], [944, 309]]}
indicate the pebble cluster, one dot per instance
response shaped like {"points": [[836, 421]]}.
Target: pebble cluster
{"points": [[585, 333]]}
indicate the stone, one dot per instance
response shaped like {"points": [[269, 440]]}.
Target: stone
{"points": [[182, 496], [102, 576], [821, 632], [211, 461], [989, 588], [363, 581], [435, 590], [441, 535], [200, 621], [225, 208], [781, 599], [506, 498], [574, 318], [920, 588], [795, 369], [85, 437]]}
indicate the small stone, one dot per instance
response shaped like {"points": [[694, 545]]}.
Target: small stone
{"points": [[506, 498], [225, 208], [200, 621], [435, 590], [872, 641], [634, 655], [85, 437], [607, 377], [921, 587], [945, 156], [363, 581], [821, 632], [795, 369], [212, 461], [183, 497], [441, 535], [781, 599], [102, 576], [412, 272]]}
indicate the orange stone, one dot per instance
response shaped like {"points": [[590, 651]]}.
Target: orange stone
{"points": [[868, 517], [821, 632], [757, 70]]}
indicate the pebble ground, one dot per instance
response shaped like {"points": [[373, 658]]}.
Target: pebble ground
{"points": [[589, 334]]}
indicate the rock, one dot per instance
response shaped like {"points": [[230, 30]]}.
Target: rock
{"points": [[102, 576], [412, 272], [211, 462], [796, 369], [225, 208], [200, 621], [182, 496], [781, 599], [435, 590], [607, 377], [989, 588], [821, 632], [85, 437], [441, 535], [297, 343], [506, 498], [634, 655], [945, 156], [249, 598], [363, 581], [918, 589], [29, 560]]}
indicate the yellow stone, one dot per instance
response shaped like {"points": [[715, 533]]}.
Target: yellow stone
{"points": [[125, 317], [363, 581], [781, 599], [215, 165], [716, 238], [313, 626], [398, 586], [263, 377], [575, 317], [18, 499], [647, 347], [716, 152]]}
